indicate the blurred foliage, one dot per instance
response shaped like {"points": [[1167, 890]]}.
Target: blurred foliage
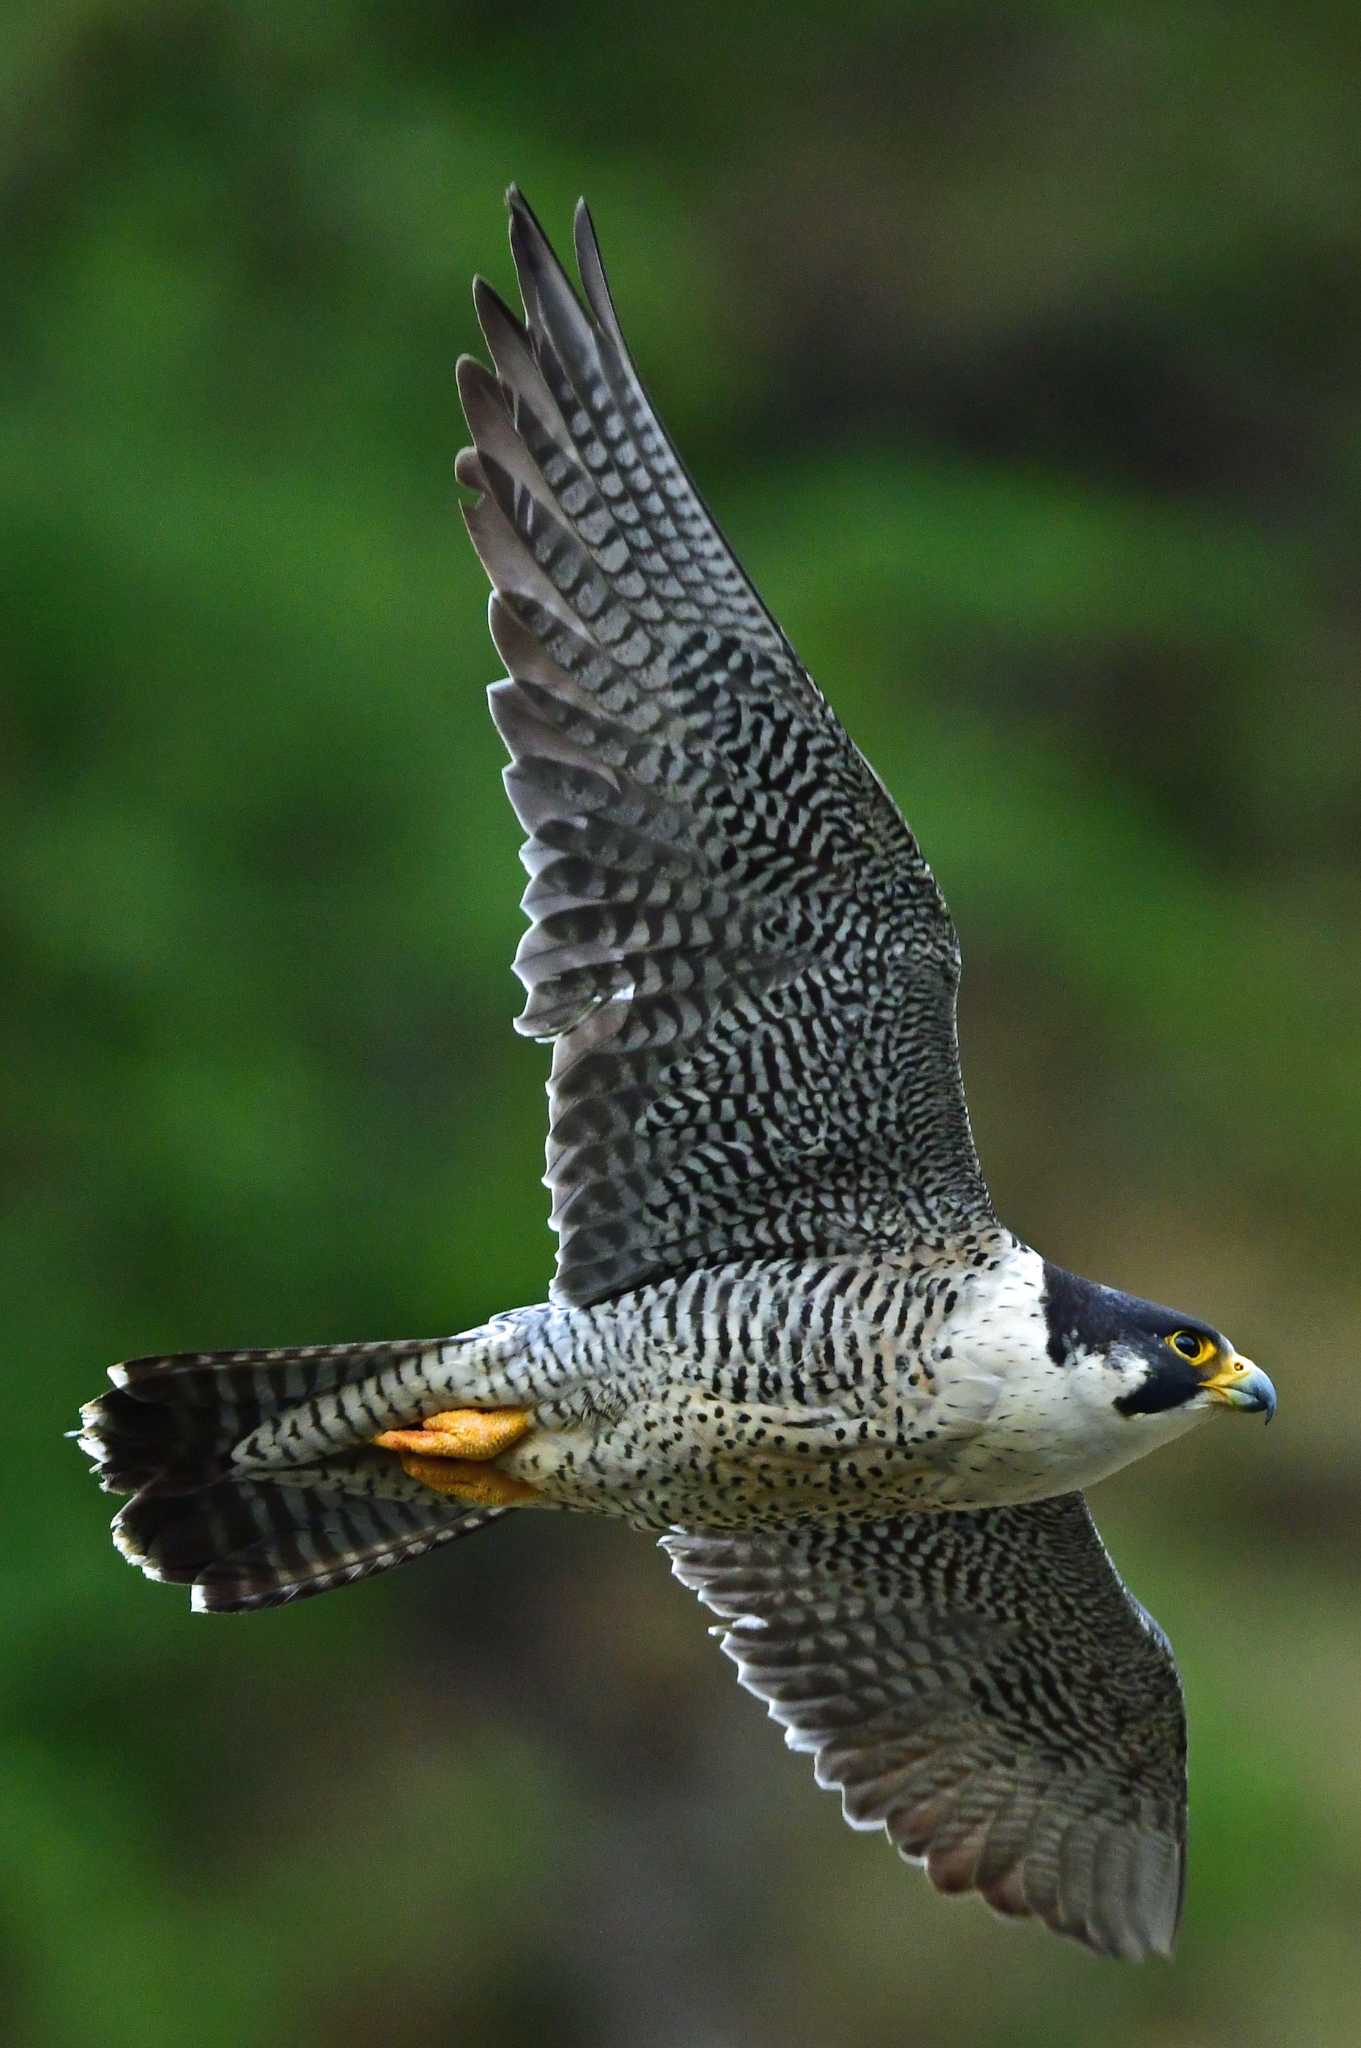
{"points": [[1017, 351]]}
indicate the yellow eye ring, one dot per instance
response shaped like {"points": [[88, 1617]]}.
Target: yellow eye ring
{"points": [[1190, 1345]]}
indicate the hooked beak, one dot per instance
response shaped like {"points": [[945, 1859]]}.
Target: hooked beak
{"points": [[1241, 1384]]}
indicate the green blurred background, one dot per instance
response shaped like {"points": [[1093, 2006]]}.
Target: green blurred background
{"points": [[1017, 348]]}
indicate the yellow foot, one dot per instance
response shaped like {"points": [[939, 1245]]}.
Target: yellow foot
{"points": [[467, 1480], [461, 1433], [450, 1452]]}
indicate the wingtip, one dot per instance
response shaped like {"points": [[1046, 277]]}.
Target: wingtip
{"points": [[470, 377], [526, 235], [594, 282], [522, 214], [519, 207]]}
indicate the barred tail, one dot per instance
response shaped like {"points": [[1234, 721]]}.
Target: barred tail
{"points": [[256, 1538]]}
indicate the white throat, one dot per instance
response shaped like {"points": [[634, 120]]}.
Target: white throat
{"points": [[1053, 1426]]}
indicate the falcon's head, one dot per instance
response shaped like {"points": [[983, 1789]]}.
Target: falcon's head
{"points": [[1161, 1362]]}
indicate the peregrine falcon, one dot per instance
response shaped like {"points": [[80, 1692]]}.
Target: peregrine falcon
{"points": [[787, 1330]]}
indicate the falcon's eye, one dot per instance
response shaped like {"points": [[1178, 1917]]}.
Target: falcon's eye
{"points": [[1196, 1349]]}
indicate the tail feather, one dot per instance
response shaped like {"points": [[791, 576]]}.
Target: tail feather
{"points": [[251, 1543], [245, 1539], [172, 1419]]}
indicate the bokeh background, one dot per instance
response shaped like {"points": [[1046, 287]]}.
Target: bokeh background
{"points": [[1017, 349]]}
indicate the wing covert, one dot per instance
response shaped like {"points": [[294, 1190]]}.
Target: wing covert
{"points": [[982, 1686], [743, 961]]}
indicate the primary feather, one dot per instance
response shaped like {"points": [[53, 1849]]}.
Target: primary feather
{"points": [[743, 959]]}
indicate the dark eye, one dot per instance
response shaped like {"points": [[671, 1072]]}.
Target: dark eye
{"points": [[1192, 1346]]}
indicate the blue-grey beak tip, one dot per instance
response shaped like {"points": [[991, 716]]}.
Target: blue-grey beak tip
{"points": [[1262, 1395]]}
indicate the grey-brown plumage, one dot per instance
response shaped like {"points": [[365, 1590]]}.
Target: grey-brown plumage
{"points": [[787, 1328], [984, 1688], [744, 962]]}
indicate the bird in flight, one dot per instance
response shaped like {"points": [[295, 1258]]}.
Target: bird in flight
{"points": [[787, 1330]]}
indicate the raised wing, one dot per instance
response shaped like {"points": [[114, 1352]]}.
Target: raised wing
{"points": [[743, 959], [984, 1688]]}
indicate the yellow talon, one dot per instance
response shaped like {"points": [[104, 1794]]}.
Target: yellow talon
{"points": [[476, 1433]]}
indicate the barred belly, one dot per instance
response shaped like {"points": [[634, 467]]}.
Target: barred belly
{"points": [[752, 1395]]}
